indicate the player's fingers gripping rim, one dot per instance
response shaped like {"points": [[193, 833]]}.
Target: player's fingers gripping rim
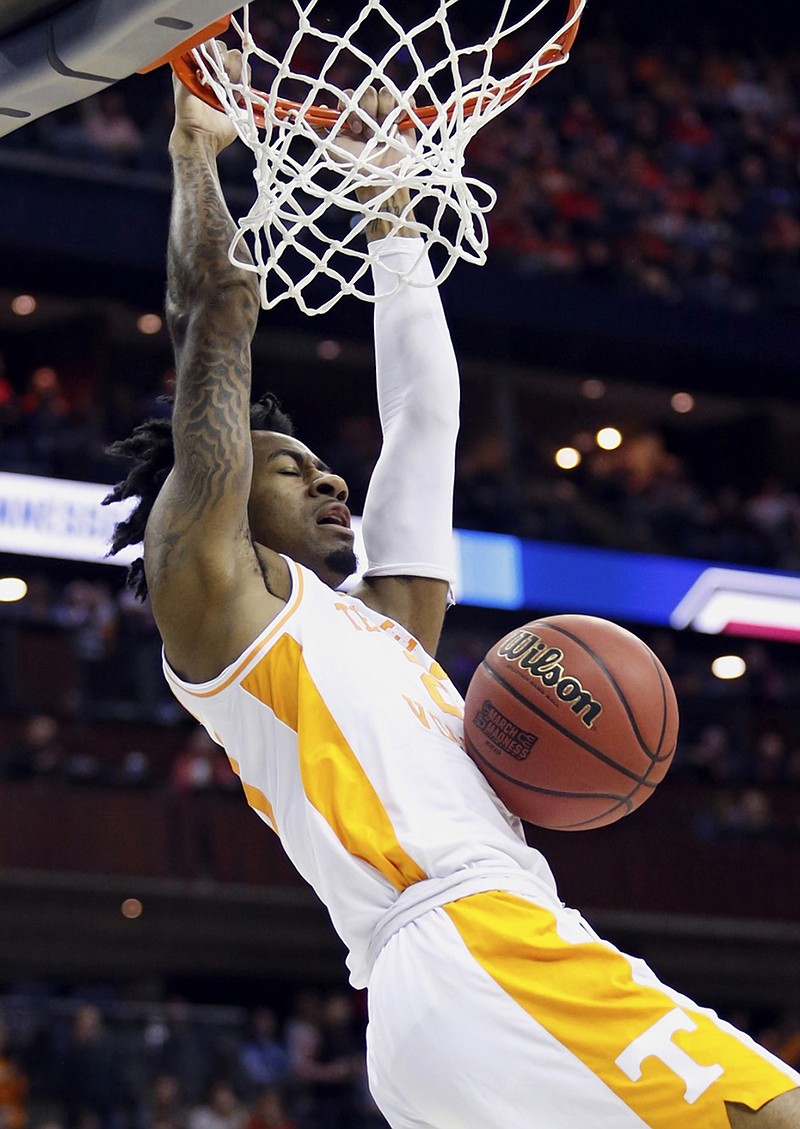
{"points": [[368, 103], [234, 65], [233, 62], [194, 116], [373, 106], [387, 104], [353, 123]]}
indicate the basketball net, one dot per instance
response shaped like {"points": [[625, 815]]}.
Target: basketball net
{"points": [[307, 230]]}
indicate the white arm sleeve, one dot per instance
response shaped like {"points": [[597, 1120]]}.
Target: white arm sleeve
{"points": [[408, 514]]}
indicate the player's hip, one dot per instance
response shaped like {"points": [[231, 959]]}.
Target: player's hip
{"points": [[493, 1010]]}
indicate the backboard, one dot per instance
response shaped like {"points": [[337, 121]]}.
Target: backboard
{"points": [[56, 52]]}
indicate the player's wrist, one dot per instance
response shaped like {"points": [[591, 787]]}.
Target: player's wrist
{"points": [[186, 141], [397, 205]]}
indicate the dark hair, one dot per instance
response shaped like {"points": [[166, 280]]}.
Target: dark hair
{"points": [[151, 449]]}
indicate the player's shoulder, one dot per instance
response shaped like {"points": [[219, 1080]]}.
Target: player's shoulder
{"points": [[209, 612]]}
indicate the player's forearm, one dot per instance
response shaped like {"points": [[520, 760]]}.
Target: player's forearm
{"points": [[212, 309], [200, 275], [408, 516]]}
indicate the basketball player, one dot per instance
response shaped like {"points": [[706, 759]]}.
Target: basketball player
{"points": [[492, 1006]]}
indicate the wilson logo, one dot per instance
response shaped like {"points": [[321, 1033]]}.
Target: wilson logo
{"points": [[501, 732], [545, 664]]}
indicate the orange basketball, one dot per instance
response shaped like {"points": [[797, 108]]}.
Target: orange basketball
{"points": [[572, 720]]}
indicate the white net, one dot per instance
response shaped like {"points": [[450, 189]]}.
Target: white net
{"points": [[317, 150]]}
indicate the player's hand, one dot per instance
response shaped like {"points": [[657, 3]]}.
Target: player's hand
{"points": [[380, 158], [194, 120], [357, 134]]}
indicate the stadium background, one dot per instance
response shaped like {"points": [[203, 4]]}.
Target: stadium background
{"points": [[646, 244]]}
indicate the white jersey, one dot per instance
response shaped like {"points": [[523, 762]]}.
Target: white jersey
{"points": [[348, 741]]}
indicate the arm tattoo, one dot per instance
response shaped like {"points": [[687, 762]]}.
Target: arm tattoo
{"points": [[212, 308], [379, 227], [397, 205]]}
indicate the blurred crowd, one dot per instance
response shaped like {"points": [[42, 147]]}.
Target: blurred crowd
{"points": [[642, 496], [107, 651], [115, 1064], [663, 167], [670, 169]]}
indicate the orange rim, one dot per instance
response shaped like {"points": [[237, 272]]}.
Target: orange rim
{"points": [[211, 32], [323, 117]]}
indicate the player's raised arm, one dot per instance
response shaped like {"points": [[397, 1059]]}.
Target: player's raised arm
{"points": [[408, 515], [199, 557]]}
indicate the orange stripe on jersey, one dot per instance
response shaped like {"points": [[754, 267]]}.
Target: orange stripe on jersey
{"points": [[333, 779], [255, 797], [259, 802], [277, 624], [585, 996]]}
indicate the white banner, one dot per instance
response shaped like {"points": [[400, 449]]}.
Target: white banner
{"points": [[55, 517]]}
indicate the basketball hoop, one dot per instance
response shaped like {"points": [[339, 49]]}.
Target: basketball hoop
{"points": [[307, 228]]}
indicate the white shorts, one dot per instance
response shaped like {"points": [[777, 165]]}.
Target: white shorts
{"points": [[493, 1012]]}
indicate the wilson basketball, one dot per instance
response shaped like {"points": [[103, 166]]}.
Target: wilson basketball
{"points": [[572, 720]]}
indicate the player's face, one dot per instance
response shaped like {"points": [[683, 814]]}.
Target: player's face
{"points": [[297, 506]]}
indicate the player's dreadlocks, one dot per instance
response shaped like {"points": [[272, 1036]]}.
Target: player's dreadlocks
{"points": [[151, 449]]}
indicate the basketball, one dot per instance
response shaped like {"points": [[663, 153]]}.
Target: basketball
{"points": [[572, 720]]}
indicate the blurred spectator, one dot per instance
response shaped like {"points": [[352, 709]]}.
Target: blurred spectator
{"points": [[160, 1105], [42, 428], [201, 766], [177, 1047], [44, 396], [135, 771], [88, 1073], [199, 772], [14, 1086], [109, 129], [222, 1109], [166, 1105], [139, 677], [338, 1065], [269, 1111], [774, 511], [37, 752], [769, 762], [103, 131], [302, 1037], [712, 757], [89, 612], [484, 499], [39, 603], [262, 1061], [763, 681], [738, 815]]}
